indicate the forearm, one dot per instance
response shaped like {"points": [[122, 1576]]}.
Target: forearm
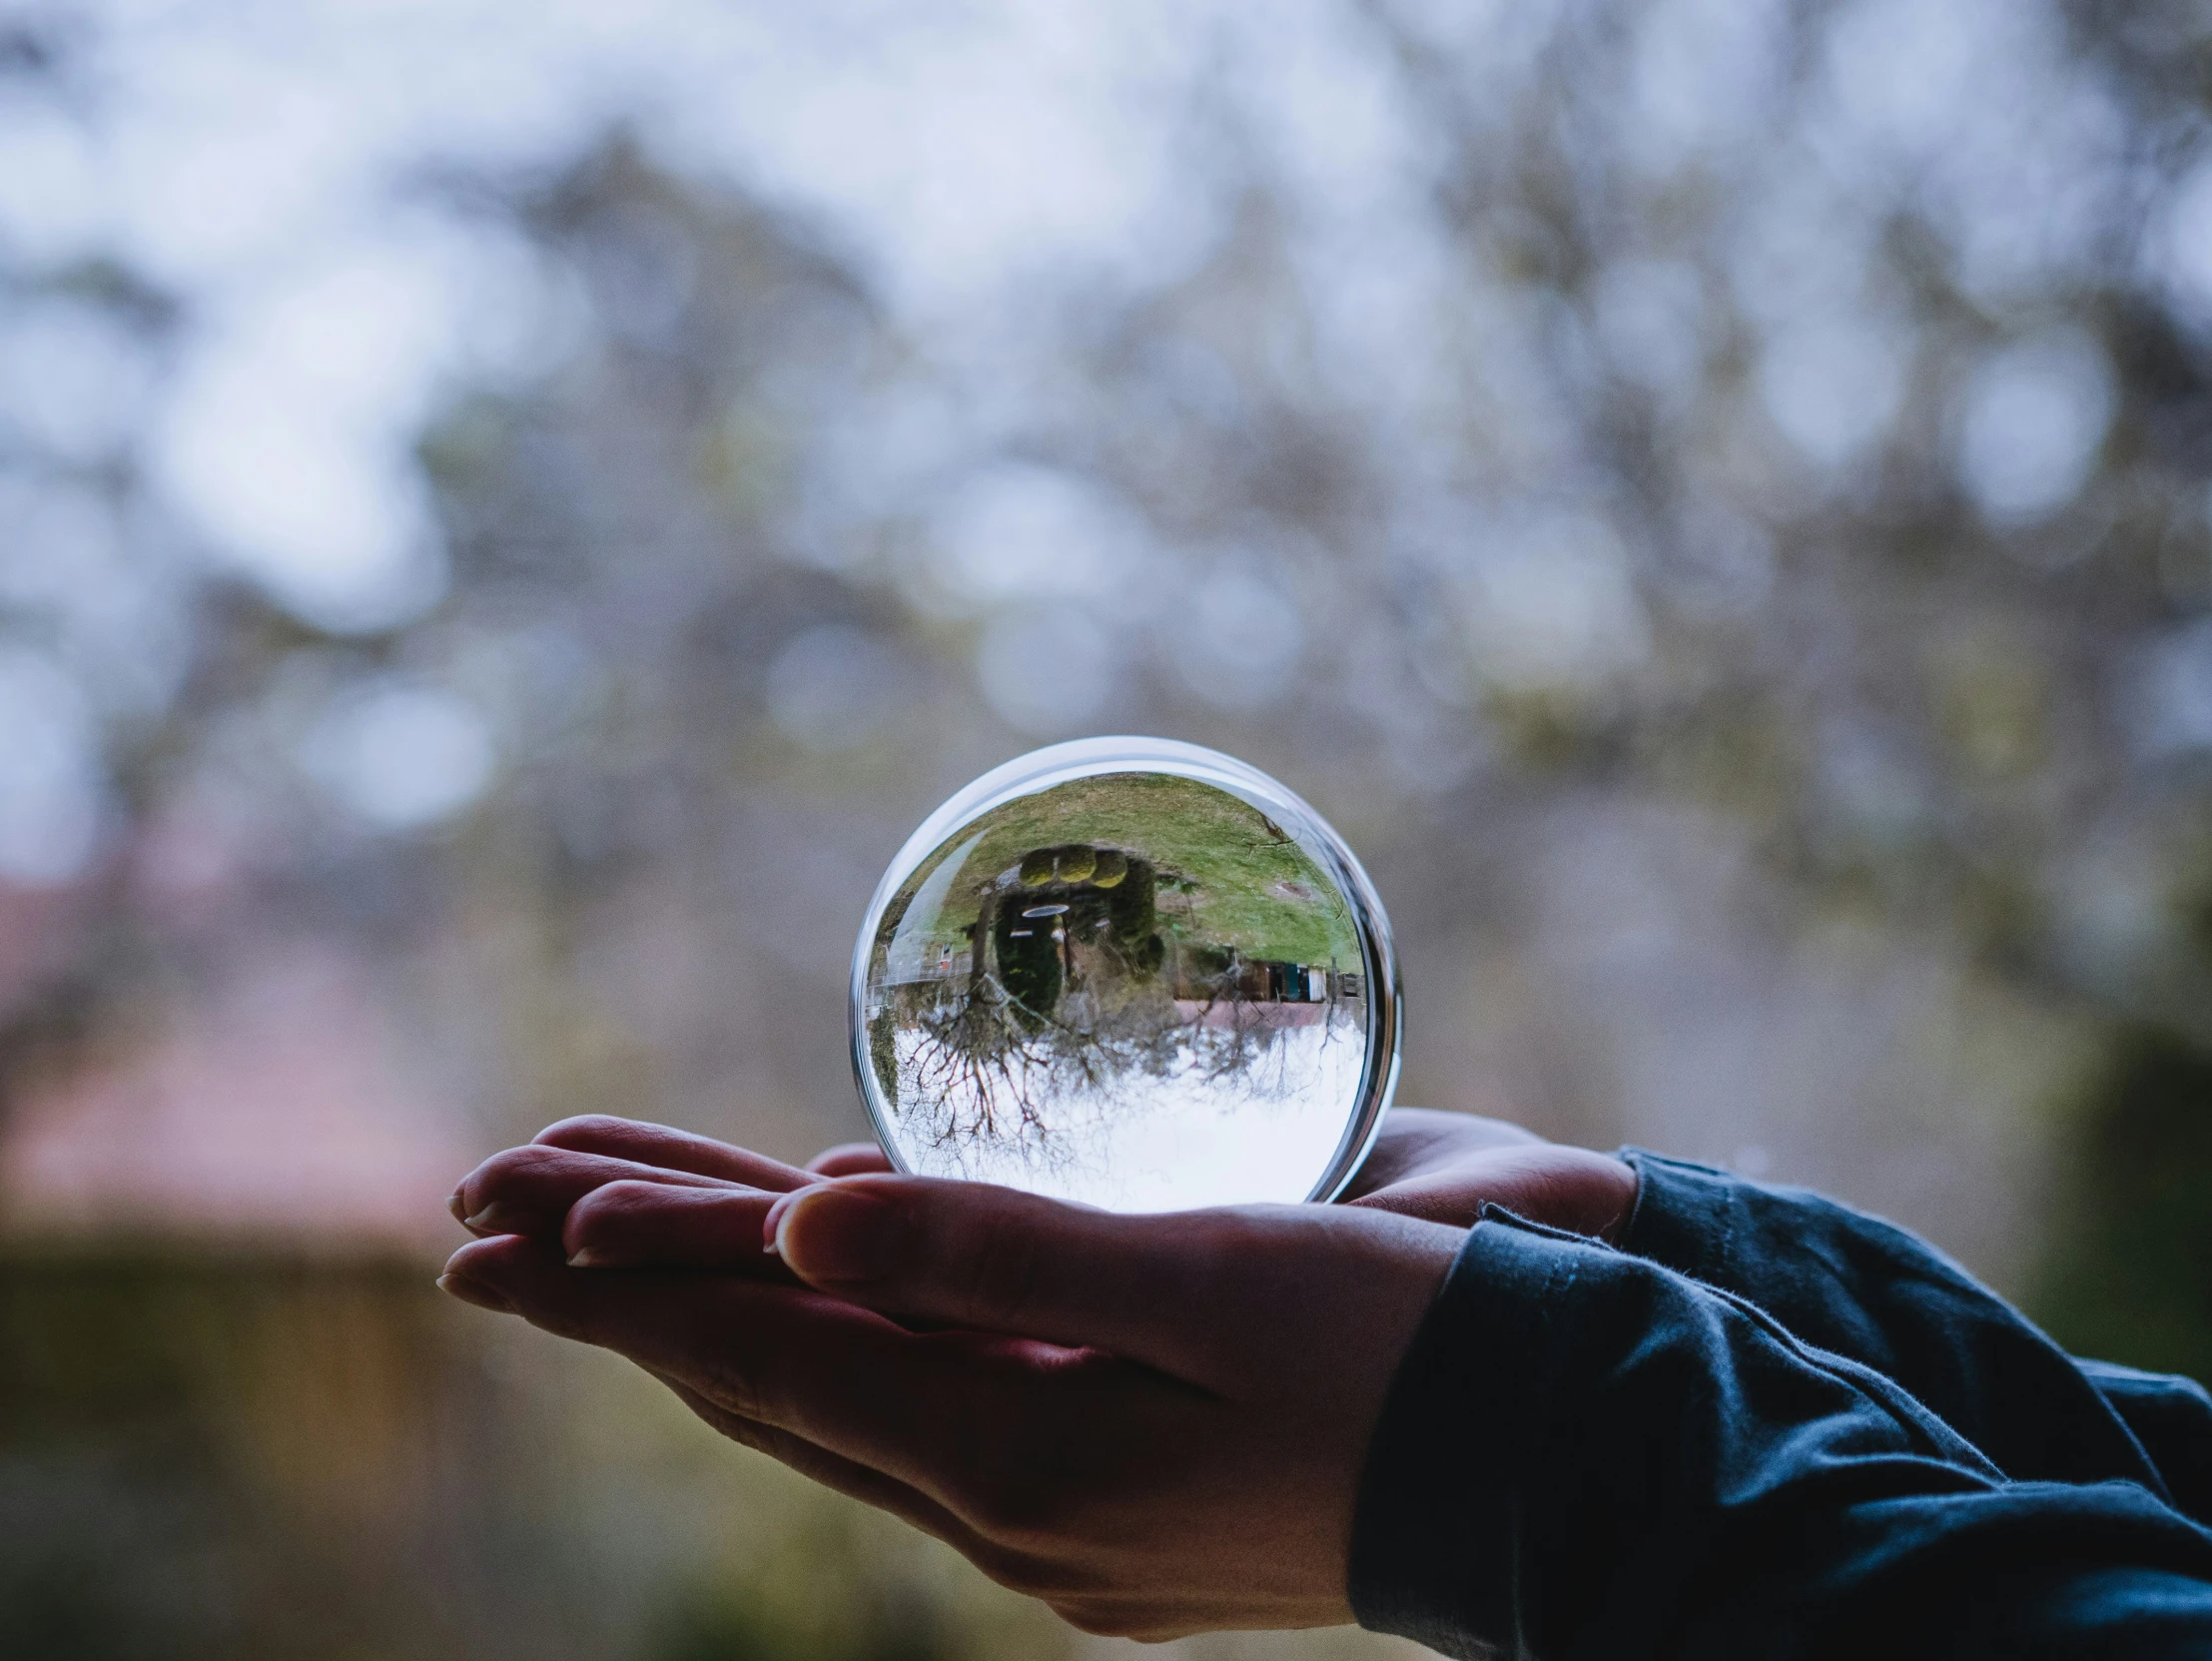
{"points": [[1589, 1455], [1877, 1294]]}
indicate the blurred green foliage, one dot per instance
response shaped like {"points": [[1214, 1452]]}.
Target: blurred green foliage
{"points": [[718, 1622], [1228, 858], [2129, 1264]]}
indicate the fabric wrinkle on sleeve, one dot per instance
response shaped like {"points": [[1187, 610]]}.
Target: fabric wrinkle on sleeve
{"points": [[1586, 1454], [1866, 1289], [2172, 1420]]}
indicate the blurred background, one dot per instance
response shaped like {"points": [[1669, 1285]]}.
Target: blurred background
{"points": [[509, 516]]}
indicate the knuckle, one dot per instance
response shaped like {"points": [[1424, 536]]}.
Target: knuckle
{"points": [[1000, 1270], [1219, 1253], [515, 1174], [1003, 1565], [580, 1127], [1082, 1617], [740, 1386], [1107, 1620], [559, 1169], [512, 1162], [1015, 1499], [617, 1200], [726, 1423]]}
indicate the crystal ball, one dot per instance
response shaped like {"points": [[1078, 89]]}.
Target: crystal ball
{"points": [[1131, 973]]}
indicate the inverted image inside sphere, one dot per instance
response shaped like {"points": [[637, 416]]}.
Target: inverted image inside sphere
{"points": [[1135, 990]]}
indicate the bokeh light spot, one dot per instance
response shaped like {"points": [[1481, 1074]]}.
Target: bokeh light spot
{"points": [[401, 755], [2035, 414], [50, 779], [1019, 530], [1833, 386], [831, 687], [1241, 640], [1045, 670]]}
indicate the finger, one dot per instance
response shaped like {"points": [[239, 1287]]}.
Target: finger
{"points": [[514, 1277], [1414, 1137], [528, 1190], [655, 1224], [1442, 1197], [671, 1150], [1573, 1189], [1207, 1296], [920, 1410], [849, 1159]]}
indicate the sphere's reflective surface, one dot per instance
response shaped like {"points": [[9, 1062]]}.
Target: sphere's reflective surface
{"points": [[1128, 972]]}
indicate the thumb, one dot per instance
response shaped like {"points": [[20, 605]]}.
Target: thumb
{"points": [[1211, 1296], [973, 1256]]}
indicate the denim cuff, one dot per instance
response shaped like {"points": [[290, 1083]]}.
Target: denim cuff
{"points": [[1435, 1538]]}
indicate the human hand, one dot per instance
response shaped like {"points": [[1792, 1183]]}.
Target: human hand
{"points": [[1446, 1166], [532, 1189], [1155, 1424], [580, 1172]]}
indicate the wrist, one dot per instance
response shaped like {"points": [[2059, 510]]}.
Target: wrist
{"points": [[1577, 1190], [1574, 1189]]}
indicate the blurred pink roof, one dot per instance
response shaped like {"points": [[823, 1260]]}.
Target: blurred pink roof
{"points": [[277, 1116]]}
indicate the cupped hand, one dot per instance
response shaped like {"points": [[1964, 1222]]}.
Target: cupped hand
{"points": [[1154, 1424], [1446, 1166], [583, 1177]]}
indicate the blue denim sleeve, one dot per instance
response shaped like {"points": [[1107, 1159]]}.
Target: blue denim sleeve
{"points": [[1586, 1454], [1866, 1289]]}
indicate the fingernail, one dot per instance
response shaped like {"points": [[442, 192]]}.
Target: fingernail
{"points": [[772, 1223], [831, 1232], [494, 1218], [586, 1256], [453, 1205], [476, 1293]]}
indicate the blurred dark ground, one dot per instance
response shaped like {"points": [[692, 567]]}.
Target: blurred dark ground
{"points": [[1710, 500]]}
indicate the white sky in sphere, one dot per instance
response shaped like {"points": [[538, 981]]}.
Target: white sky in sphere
{"points": [[1180, 1141]]}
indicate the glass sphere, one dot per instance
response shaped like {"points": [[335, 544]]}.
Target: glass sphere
{"points": [[1131, 973]]}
